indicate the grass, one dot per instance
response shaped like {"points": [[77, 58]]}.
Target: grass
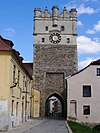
{"points": [[80, 128]]}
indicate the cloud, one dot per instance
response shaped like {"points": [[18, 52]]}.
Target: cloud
{"points": [[86, 62], [79, 24], [96, 39], [81, 9], [24, 61], [9, 32], [85, 10], [90, 31], [96, 28], [87, 45]]}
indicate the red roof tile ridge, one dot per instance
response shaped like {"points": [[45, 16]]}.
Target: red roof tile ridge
{"points": [[11, 43], [5, 45], [29, 68]]}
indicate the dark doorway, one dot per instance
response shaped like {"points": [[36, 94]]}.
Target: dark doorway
{"points": [[54, 106]]}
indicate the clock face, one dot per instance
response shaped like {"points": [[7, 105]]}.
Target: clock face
{"points": [[55, 37]]}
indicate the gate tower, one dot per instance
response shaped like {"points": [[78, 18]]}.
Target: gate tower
{"points": [[55, 53]]}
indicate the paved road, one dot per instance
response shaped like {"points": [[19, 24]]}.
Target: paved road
{"points": [[49, 126]]}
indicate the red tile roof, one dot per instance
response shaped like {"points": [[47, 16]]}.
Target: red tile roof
{"points": [[29, 68], [5, 44]]}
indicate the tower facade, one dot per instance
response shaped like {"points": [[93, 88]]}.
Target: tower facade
{"points": [[55, 53]]}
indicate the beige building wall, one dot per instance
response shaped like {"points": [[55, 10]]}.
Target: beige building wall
{"points": [[14, 99], [35, 104], [4, 88], [76, 101], [19, 96]]}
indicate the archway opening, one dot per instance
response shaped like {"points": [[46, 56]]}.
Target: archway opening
{"points": [[54, 106]]}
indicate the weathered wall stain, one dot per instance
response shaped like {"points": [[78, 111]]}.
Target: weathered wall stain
{"points": [[4, 120]]}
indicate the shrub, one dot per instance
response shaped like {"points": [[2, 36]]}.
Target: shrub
{"points": [[97, 127]]}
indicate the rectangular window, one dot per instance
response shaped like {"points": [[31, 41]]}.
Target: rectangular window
{"points": [[23, 82], [14, 72], [43, 40], [27, 84], [86, 110], [46, 28], [68, 40], [98, 71], [62, 28], [12, 111], [86, 91], [17, 109], [18, 77]]}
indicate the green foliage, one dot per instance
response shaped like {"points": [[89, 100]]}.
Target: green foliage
{"points": [[80, 128], [97, 127]]}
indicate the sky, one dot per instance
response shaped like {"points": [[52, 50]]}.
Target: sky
{"points": [[16, 24]]}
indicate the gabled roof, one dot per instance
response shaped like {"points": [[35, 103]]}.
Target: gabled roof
{"points": [[5, 44], [97, 62]]}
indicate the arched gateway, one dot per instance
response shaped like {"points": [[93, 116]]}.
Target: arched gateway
{"points": [[55, 55], [54, 106]]}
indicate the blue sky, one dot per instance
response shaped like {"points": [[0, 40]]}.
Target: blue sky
{"points": [[16, 24]]}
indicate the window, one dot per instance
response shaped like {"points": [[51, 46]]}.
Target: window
{"points": [[29, 85], [73, 108], [18, 77], [46, 28], [62, 28], [43, 39], [12, 111], [68, 40], [86, 110], [86, 91], [14, 72], [98, 71], [17, 109], [23, 82]]}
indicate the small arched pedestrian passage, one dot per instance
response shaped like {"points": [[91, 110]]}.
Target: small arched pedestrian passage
{"points": [[54, 106]]}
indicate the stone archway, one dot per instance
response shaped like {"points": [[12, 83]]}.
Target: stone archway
{"points": [[54, 106]]}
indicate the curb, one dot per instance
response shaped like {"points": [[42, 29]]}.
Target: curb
{"points": [[69, 129]]}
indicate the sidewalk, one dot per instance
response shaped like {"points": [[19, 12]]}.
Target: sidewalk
{"points": [[25, 126]]}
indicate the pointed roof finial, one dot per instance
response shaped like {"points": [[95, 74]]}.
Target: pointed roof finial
{"points": [[46, 9], [64, 7]]}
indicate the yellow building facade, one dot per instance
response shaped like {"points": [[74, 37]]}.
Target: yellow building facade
{"points": [[35, 103], [15, 86]]}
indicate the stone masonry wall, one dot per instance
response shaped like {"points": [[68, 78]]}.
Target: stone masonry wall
{"points": [[52, 63]]}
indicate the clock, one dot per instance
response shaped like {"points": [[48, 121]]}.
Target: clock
{"points": [[55, 37]]}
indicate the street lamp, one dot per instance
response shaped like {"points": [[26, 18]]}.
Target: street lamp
{"points": [[15, 83]]}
